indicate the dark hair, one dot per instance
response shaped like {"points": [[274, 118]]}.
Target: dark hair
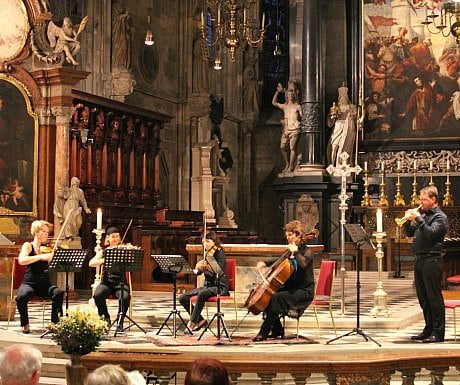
{"points": [[214, 237], [207, 371], [112, 230]]}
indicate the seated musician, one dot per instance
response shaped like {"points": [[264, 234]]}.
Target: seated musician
{"points": [[36, 279], [213, 267], [298, 291], [110, 284]]}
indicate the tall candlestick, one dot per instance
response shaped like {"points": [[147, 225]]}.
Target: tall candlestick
{"points": [[379, 221], [99, 219]]}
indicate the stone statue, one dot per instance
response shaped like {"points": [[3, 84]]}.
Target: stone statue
{"points": [[68, 201], [291, 124], [122, 37], [201, 60], [64, 39], [342, 117], [251, 86]]}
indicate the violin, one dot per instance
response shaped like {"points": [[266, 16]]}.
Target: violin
{"points": [[50, 246]]}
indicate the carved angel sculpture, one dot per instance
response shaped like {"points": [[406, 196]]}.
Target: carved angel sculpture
{"points": [[64, 39]]}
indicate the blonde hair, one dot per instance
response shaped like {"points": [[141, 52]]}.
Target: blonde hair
{"points": [[37, 225], [109, 375]]}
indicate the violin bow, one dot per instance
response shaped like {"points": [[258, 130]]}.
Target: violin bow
{"points": [[126, 231], [204, 236], [62, 230]]}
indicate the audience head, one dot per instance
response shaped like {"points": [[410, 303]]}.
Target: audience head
{"points": [[207, 371], [20, 365], [108, 375]]}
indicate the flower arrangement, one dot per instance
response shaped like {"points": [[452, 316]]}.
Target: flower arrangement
{"points": [[80, 331]]}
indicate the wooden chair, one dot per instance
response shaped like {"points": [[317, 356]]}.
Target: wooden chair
{"points": [[452, 304], [323, 292], [231, 275], [17, 276]]}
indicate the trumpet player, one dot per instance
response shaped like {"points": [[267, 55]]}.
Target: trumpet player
{"points": [[428, 226]]}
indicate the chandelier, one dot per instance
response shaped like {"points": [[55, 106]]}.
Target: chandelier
{"points": [[443, 18], [228, 24]]}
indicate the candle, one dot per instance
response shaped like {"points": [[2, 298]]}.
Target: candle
{"points": [[365, 166], [415, 164], [263, 20], [99, 219], [244, 15], [379, 221], [431, 165], [382, 165], [218, 16], [202, 19], [448, 164], [399, 165]]}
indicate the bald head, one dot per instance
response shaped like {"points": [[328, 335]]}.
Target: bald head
{"points": [[20, 365]]}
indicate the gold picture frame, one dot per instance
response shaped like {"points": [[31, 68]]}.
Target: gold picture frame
{"points": [[18, 149]]}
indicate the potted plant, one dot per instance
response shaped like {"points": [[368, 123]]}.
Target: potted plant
{"points": [[79, 333]]}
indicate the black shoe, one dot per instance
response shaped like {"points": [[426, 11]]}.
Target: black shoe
{"points": [[199, 325], [279, 333], [432, 338], [259, 337], [420, 337]]}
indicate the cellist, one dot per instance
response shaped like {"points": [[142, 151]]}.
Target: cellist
{"points": [[296, 294]]}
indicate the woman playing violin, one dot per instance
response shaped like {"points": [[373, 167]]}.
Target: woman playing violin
{"points": [[36, 279], [111, 282], [296, 294], [215, 259]]}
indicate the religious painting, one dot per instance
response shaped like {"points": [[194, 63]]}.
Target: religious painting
{"points": [[411, 75], [14, 28], [18, 150]]}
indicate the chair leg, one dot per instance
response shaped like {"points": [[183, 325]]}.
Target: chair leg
{"points": [[332, 319], [455, 325], [317, 321]]}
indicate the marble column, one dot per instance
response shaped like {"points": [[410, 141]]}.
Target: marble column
{"points": [[311, 145]]}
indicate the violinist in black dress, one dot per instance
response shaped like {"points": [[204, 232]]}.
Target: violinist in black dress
{"points": [[36, 279], [298, 291], [213, 267]]}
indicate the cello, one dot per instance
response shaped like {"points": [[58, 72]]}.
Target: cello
{"points": [[278, 274]]}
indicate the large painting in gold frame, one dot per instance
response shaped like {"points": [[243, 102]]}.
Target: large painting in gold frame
{"points": [[411, 77], [18, 150]]}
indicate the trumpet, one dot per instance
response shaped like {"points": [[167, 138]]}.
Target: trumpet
{"points": [[407, 215]]}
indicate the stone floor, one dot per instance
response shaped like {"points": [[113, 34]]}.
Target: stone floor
{"points": [[391, 328]]}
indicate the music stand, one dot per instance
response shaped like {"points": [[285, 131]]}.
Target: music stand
{"points": [[66, 260], [119, 260], [361, 241], [173, 264]]}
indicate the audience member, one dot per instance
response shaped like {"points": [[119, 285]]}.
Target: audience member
{"points": [[108, 375], [20, 365], [207, 371]]}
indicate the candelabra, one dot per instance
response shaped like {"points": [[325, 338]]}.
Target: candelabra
{"points": [[399, 199], [367, 201], [383, 200], [415, 199], [97, 276], [380, 296], [448, 198]]}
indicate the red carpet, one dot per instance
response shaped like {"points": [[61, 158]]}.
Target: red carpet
{"points": [[209, 339]]}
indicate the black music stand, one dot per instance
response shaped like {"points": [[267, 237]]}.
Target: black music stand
{"points": [[66, 260], [173, 264], [119, 260], [218, 316], [361, 241]]}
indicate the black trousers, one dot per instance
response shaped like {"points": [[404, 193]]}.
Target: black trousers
{"points": [[428, 285]]}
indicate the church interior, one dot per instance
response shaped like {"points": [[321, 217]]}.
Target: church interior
{"points": [[168, 118]]}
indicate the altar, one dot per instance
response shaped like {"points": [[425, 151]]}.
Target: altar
{"points": [[246, 255]]}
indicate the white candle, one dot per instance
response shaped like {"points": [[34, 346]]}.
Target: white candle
{"points": [[365, 166], [431, 165], [379, 221], [399, 165], [415, 164], [99, 219], [263, 20], [202, 19], [244, 15], [218, 16], [382, 165], [448, 164]]}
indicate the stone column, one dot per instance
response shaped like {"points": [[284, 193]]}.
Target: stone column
{"points": [[311, 142]]}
